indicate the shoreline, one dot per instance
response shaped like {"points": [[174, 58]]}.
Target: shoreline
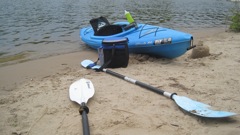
{"points": [[34, 95], [19, 72], [24, 54], [54, 60]]}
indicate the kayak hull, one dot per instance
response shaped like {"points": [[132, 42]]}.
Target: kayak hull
{"points": [[145, 39]]}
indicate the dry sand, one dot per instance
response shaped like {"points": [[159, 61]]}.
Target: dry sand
{"points": [[34, 95]]}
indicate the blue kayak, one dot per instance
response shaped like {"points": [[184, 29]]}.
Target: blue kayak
{"points": [[144, 39]]}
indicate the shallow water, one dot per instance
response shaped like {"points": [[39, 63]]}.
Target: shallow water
{"points": [[49, 27]]}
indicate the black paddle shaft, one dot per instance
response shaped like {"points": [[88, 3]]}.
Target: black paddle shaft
{"points": [[84, 111], [149, 87], [85, 123]]}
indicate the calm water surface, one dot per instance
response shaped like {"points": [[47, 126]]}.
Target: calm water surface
{"points": [[49, 27]]}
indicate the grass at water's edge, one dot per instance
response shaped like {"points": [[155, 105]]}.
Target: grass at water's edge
{"points": [[16, 57], [2, 53]]}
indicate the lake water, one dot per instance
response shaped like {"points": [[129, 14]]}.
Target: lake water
{"points": [[49, 27]]}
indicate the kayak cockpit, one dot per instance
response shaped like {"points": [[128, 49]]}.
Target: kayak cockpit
{"points": [[102, 27]]}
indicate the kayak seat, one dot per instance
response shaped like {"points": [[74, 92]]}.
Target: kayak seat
{"points": [[102, 27], [109, 30]]}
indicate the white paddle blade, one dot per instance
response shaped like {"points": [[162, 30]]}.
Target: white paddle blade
{"points": [[81, 90], [198, 108], [86, 64]]}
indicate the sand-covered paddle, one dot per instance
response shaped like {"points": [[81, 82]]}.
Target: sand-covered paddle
{"points": [[80, 91], [187, 104]]}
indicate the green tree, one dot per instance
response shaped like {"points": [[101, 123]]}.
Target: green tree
{"points": [[235, 18]]}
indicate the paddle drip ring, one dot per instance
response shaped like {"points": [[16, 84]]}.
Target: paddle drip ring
{"points": [[171, 97], [83, 108]]}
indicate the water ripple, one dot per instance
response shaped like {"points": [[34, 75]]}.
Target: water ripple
{"points": [[58, 21]]}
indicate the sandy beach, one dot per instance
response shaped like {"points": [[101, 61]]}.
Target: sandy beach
{"points": [[35, 100]]}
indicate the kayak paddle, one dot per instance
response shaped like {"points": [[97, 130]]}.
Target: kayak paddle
{"points": [[80, 91], [187, 104]]}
